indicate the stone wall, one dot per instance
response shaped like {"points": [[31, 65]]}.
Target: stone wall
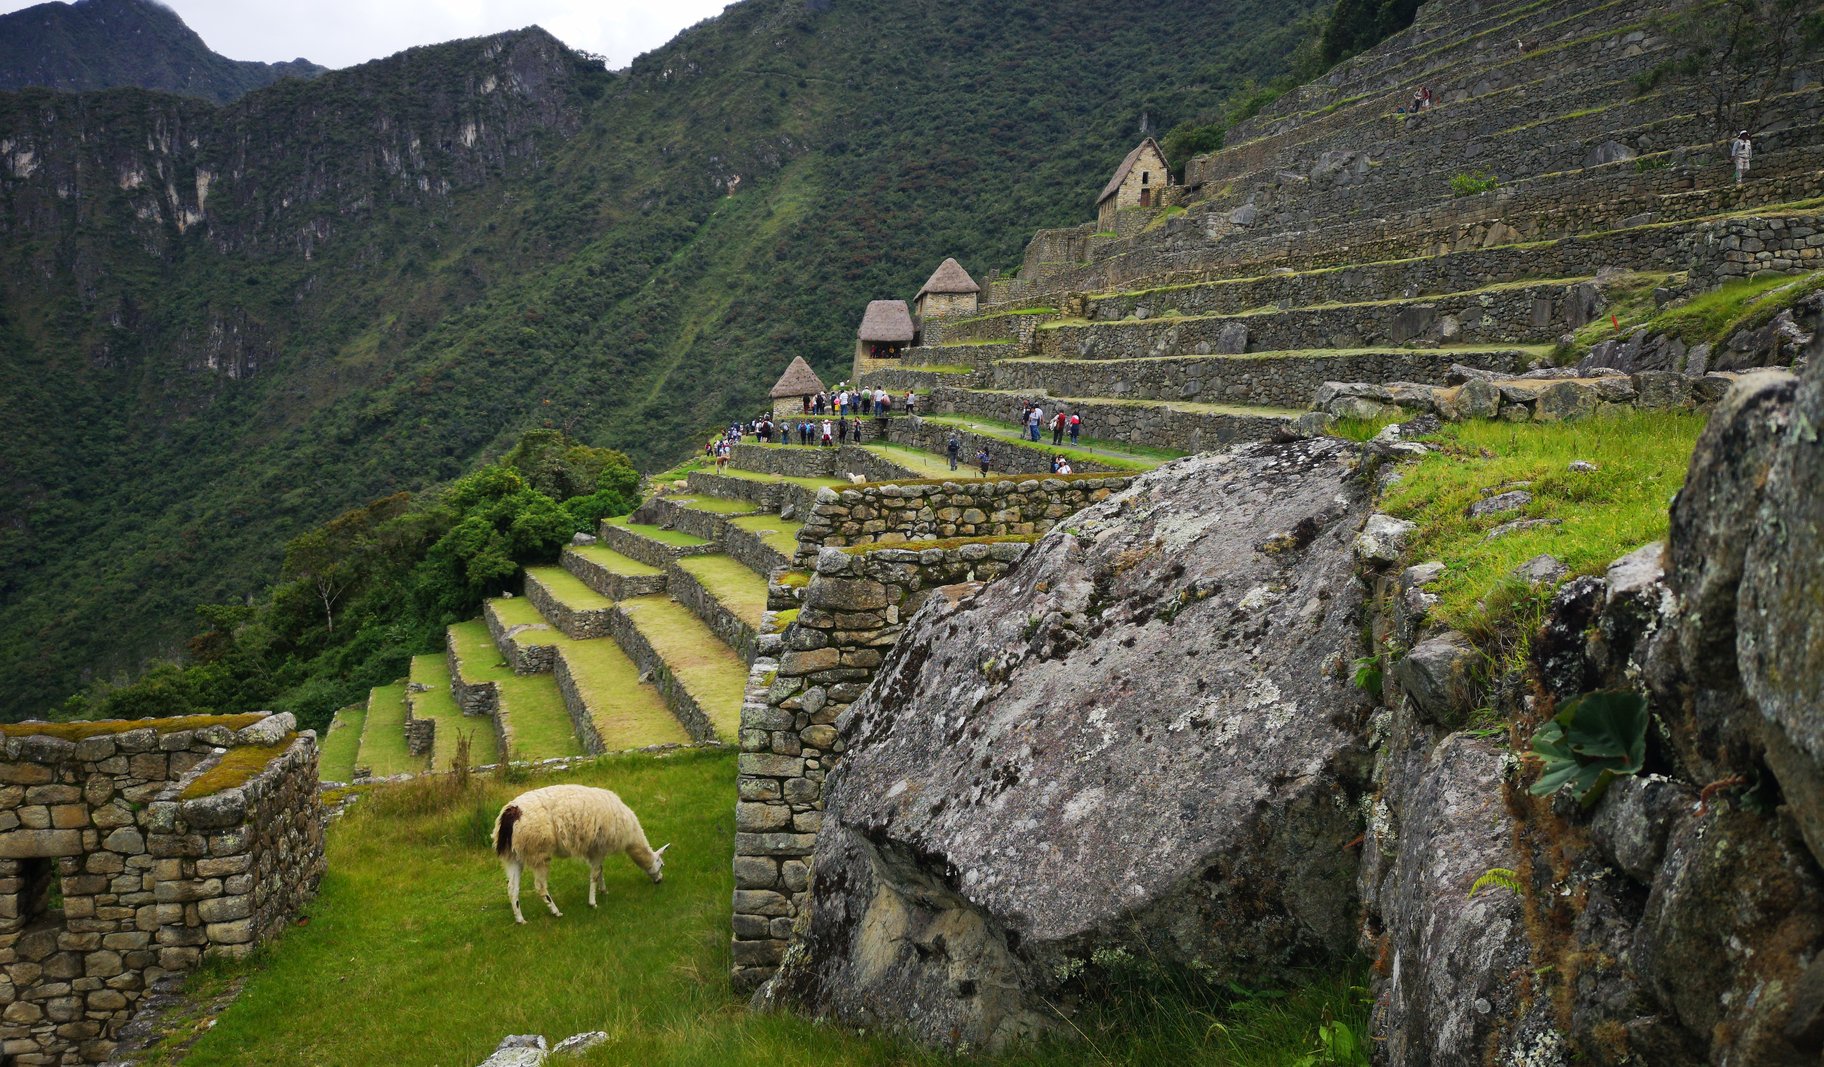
{"points": [[1745, 246], [792, 461], [524, 657], [581, 624], [1274, 381], [652, 553], [580, 720], [1004, 456], [852, 612], [611, 584], [1526, 399], [773, 496], [152, 880], [992, 507], [1147, 424], [945, 306], [648, 660], [477, 698], [725, 624], [658, 511]]}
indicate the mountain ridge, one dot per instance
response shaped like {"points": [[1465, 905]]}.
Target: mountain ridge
{"points": [[89, 45]]}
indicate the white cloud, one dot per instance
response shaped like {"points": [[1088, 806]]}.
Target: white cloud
{"points": [[341, 33]]}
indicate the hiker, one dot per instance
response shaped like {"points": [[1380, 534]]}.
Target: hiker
{"points": [[1058, 422], [911, 403], [1742, 151], [842, 431], [953, 447], [981, 460], [1076, 424], [826, 433], [804, 432], [1033, 420]]}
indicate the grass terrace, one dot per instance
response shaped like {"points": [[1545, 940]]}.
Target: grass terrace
{"points": [[781, 534], [437, 702], [383, 750], [731, 582], [534, 709], [649, 966], [788, 479], [716, 505], [341, 744], [568, 589], [1117, 454], [674, 538], [518, 611], [613, 562], [627, 713], [922, 463], [1593, 518], [709, 670]]}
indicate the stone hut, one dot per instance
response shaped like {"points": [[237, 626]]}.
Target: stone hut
{"points": [[947, 293], [886, 329], [791, 397], [129, 851], [1140, 181]]}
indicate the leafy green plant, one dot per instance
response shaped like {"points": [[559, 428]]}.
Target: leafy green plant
{"points": [[1470, 183], [1368, 674], [1337, 1046], [1496, 878], [1593, 739]]}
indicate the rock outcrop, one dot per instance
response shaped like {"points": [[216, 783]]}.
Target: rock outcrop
{"points": [[1141, 743]]}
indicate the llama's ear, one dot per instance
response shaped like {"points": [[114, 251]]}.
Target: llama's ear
{"points": [[660, 851]]}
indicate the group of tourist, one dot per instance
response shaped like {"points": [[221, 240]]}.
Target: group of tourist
{"points": [[844, 401], [1061, 423], [1421, 101]]}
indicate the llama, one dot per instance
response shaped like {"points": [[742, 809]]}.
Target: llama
{"points": [[569, 820]]}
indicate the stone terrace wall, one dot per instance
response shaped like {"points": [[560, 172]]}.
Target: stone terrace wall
{"points": [[1148, 424], [1749, 245], [892, 514], [852, 612], [1005, 457], [523, 657], [151, 883]]}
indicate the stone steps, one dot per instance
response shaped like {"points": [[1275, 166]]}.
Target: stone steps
{"points": [[771, 492], [1277, 379], [700, 516], [1181, 427], [1535, 312]]}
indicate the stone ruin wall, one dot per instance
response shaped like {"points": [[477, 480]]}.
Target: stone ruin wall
{"points": [[151, 882], [851, 613], [893, 514]]}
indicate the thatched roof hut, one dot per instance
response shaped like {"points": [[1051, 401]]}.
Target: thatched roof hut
{"points": [[886, 322], [950, 277], [798, 380]]}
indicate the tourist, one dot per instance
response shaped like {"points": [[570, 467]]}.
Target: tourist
{"points": [[1076, 424], [828, 430], [911, 404], [1058, 422], [953, 447], [842, 431], [867, 402], [1055, 460], [804, 432], [1063, 465], [1742, 151], [1034, 419], [806, 401], [981, 459]]}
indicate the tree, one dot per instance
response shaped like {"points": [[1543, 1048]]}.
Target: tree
{"points": [[1739, 53]]}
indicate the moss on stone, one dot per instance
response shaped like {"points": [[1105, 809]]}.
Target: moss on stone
{"points": [[944, 544], [236, 768], [78, 731]]}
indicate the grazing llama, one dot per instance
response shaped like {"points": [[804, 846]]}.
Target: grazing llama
{"points": [[569, 820]]}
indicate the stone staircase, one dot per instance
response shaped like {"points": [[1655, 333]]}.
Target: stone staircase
{"points": [[1326, 243]]}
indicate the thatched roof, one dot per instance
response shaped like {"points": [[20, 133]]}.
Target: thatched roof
{"points": [[798, 380], [886, 320], [1127, 165], [950, 277]]}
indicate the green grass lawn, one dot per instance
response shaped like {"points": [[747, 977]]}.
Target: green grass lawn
{"points": [[411, 957], [675, 538], [1119, 455], [790, 479], [924, 464], [728, 580], [626, 712], [432, 670], [536, 716], [518, 611], [341, 743], [708, 669], [1642, 458], [383, 748], [716, 505], [567, 589], [615, 563], [781, 534]]}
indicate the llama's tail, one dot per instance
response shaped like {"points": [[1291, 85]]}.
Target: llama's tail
{"points": [[503, 829]]}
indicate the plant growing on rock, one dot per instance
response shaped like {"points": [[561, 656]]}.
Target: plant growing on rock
{"points": [[1472, 182], [1593, 739]]}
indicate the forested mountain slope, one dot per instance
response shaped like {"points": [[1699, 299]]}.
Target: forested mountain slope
{"points": [[106, 44], [219, 325]]}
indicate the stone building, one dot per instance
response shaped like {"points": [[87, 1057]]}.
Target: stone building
{"points": [[130, 851], [886, 329], [1140, 181], [791, 397], [949, 292]]}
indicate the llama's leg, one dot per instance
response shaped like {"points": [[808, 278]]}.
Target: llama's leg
{"points": [[540, 882], [513, 889], [595, 875]]}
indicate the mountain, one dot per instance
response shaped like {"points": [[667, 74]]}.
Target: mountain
{"points": [[220, 325], [105, 44]]}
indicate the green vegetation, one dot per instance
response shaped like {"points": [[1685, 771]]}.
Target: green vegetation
{"points": [[77, 731], [729, 581], [648, 966], [596, 279], [627, 712], [236, 766], [922, 462], [781, 534], [1709, 317], [436, 701], [383, 750], [1118, 455], [789, 479], [674, 538], [1471, 183], [1358, 25], [567, 589], [708, 670], [1594, 517], [1594, 738], [364, 592], [341, 744], [518, 611], [716, 505]]}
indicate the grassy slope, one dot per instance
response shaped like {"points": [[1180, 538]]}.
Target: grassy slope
{"points": [[709, 670], [341, 744], [432, 670], [627, 712], [383, 748], [781, 534], [534, 708], [675, 538], [728, 580], [438, 973], [615, 563]]}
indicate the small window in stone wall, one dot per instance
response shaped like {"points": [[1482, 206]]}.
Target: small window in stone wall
{"points": [[1146, 176], [38, 898]]}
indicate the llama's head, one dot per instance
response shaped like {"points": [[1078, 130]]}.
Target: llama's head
{"points": [[656, 869]]}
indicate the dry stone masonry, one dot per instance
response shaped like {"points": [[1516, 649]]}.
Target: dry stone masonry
{"points": [[131, 851]]}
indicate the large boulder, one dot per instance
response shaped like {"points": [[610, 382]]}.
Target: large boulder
{"points": [[1143, 740]]}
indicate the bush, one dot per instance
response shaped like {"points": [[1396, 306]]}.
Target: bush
{"points": [[1473, 182]]}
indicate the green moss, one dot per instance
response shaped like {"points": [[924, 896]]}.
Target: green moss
{"points": [[236, 768], [943, 544], [78, 731], [794, 579], [615, 563]]}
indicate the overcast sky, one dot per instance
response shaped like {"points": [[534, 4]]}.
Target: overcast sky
{"points": [[341, 33]]}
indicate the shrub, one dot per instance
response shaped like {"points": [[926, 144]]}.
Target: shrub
{"points": [[1472, 182], [1593, 739]]}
